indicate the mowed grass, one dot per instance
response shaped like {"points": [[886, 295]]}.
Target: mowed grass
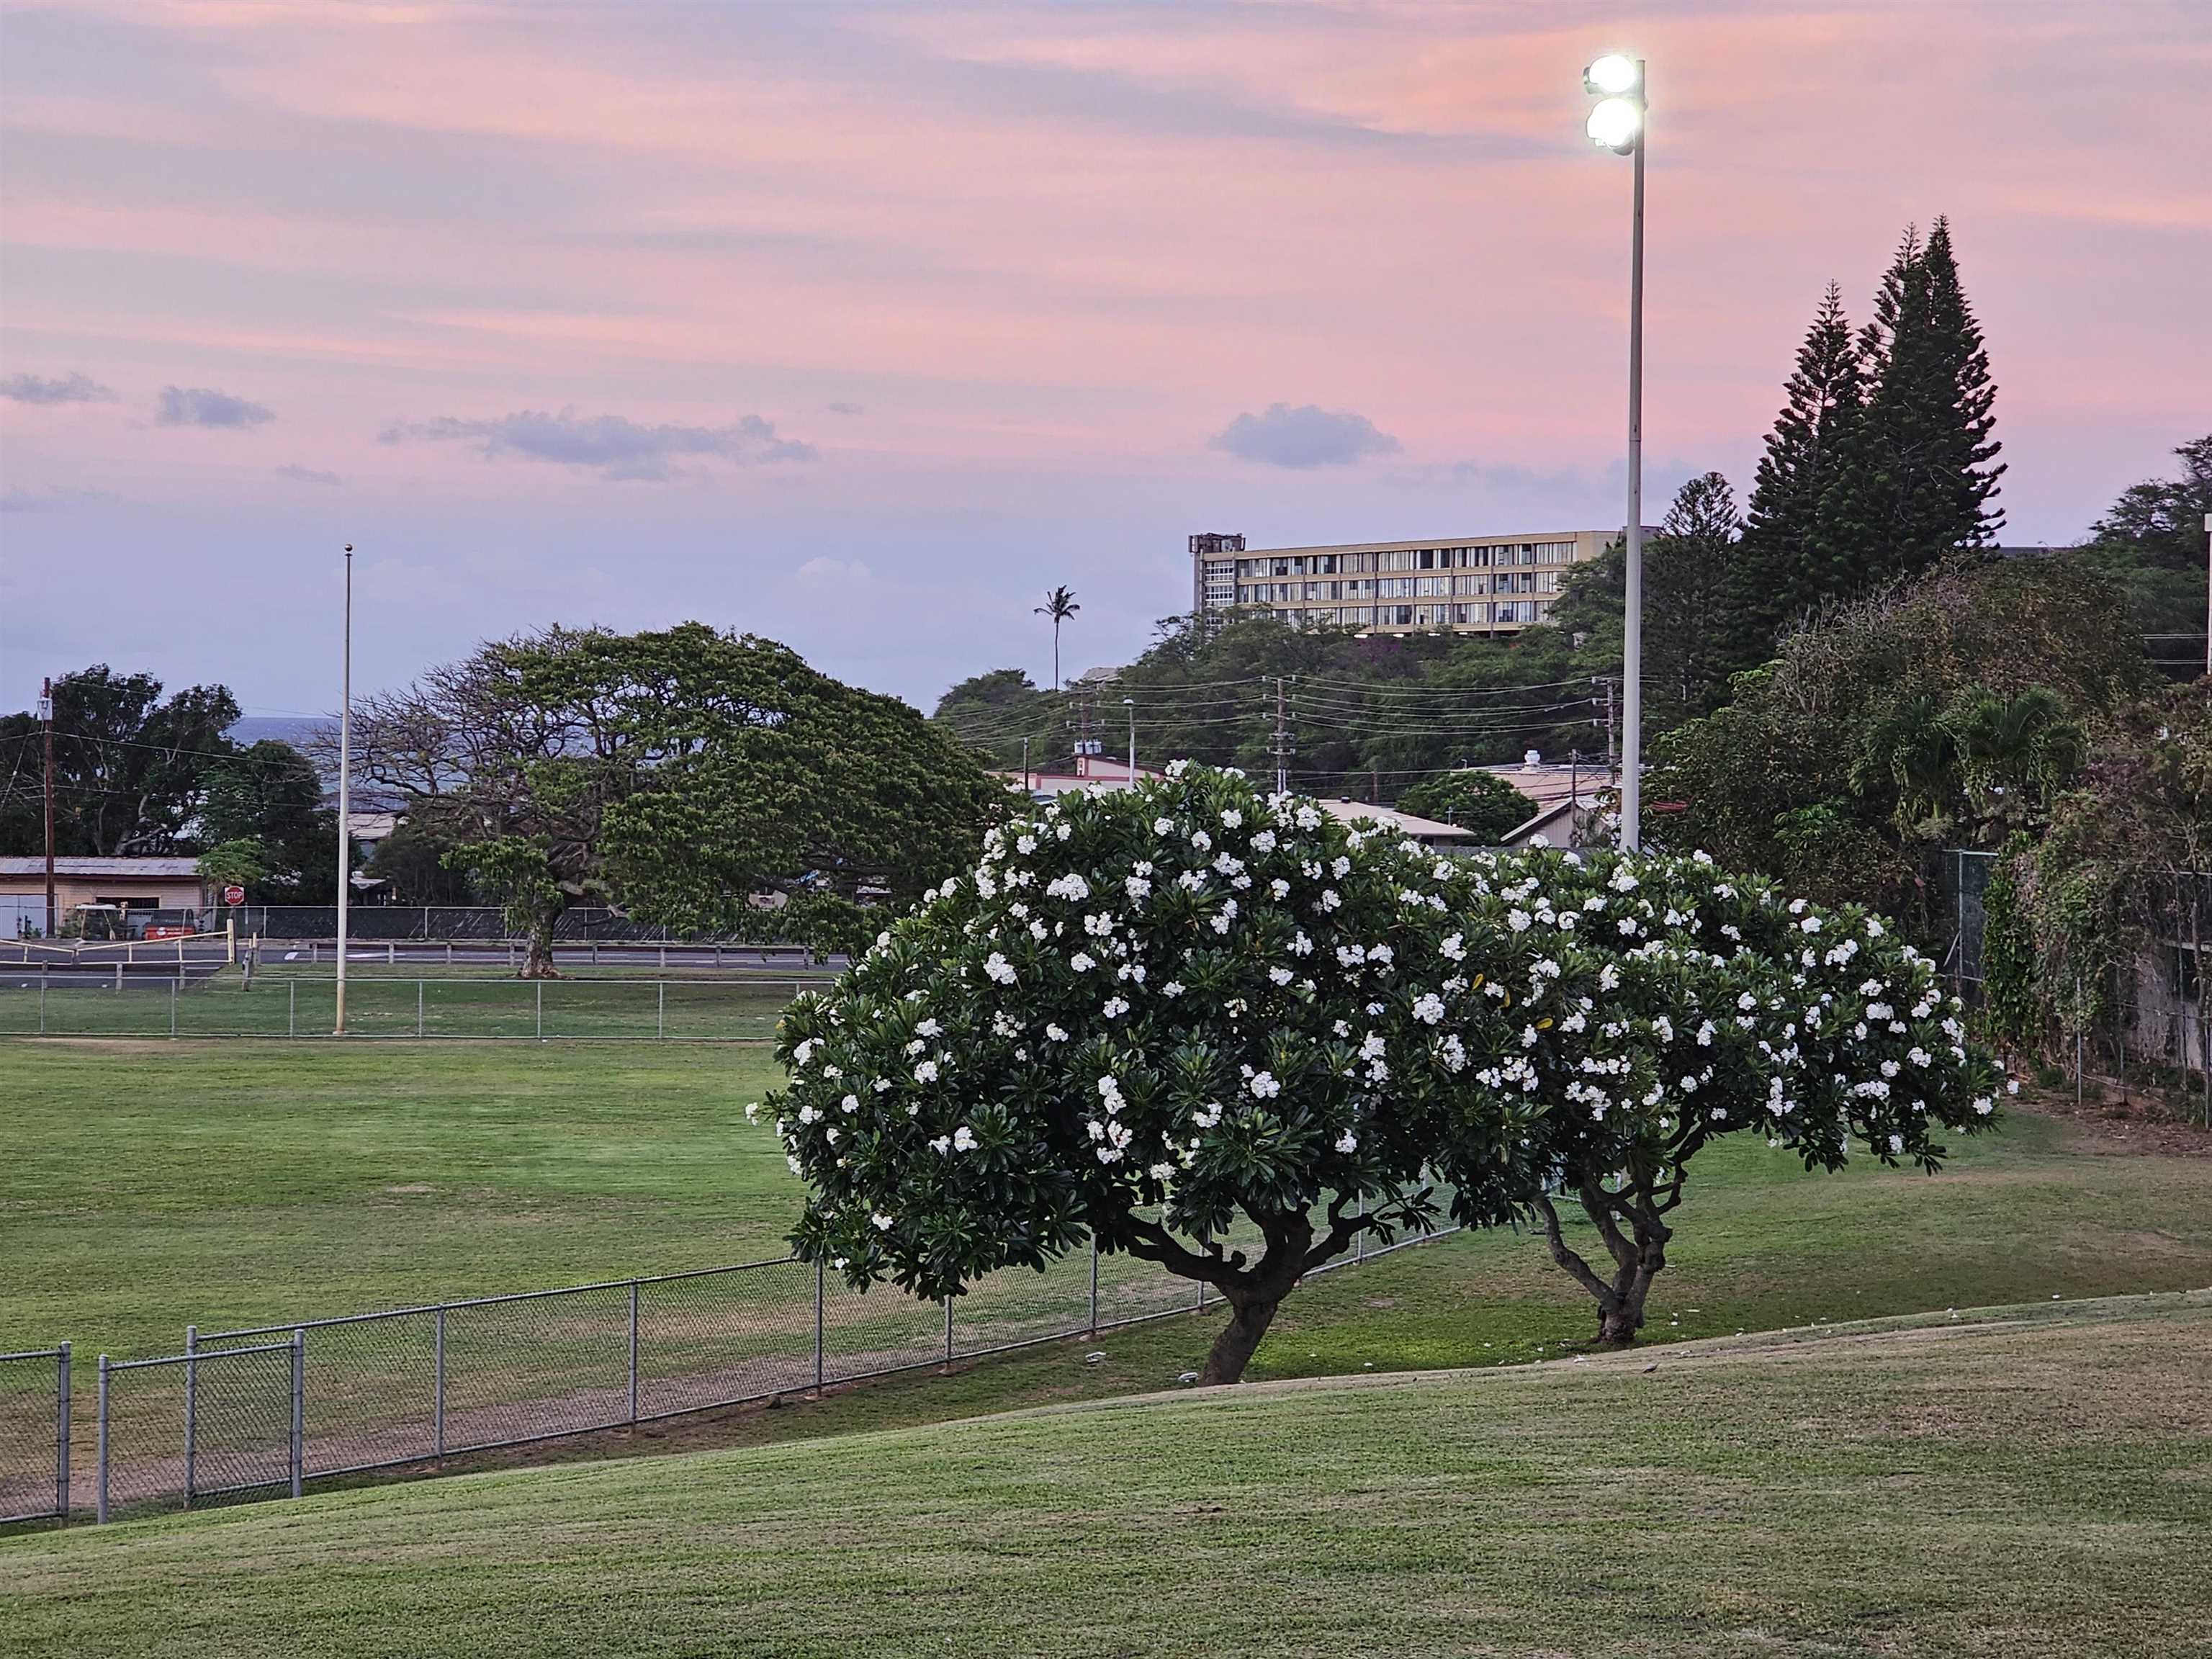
{"points": [[148, 1185], [2031, 1485]]}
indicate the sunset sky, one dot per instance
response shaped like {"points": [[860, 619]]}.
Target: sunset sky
{"points": [[861, 326]]}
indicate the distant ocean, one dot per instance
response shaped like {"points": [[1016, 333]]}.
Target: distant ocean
{"points": [[283, 728]]}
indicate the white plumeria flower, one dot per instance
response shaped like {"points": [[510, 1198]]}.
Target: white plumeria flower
{"points": [[926, 1072], [997, 968], [883, 1222], [1347, 1142], [1264, 1086], [963, 1140]]}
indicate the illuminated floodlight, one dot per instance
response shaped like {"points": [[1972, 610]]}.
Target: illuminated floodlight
{"points": [[1614, 124], [1612, 75]]}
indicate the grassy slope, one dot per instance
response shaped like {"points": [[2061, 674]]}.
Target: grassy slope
{"points": [[2031, 1487]]}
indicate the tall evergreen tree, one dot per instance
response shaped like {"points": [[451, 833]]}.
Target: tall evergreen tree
{"points": [[1917, 480], [1688, 584], [1783, 568]]}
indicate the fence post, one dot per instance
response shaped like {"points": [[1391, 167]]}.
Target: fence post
{"points": [[633, 1350], [660, 1010], [437, 1384], [175, 986], [817, 1324], [541, 1010], [42, 999], [192, 1412], [62, 1435], [299, 1407], [1359, 1239], [100, 1496], [948, 1330], [1094, 1283], [418, 1008], [2077, 1041]]}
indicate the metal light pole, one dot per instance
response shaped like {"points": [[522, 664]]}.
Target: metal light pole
{"points": [[345, 782], [1130, 703], [1617, 122], [47, 717]]}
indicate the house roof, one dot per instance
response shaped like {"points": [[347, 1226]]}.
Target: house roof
{"points": [[1548, 782], [147, 869], [1404, 824]]}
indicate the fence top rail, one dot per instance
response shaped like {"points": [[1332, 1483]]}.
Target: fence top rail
{"points": [[54, 1352], [726, 981], [419, 1310], [191, 1359]]}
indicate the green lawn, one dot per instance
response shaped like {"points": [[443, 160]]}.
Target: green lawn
{"points": [[148, 1185], [2032, 1487]]}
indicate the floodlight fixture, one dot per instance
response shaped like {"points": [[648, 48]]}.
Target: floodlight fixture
{"points": [[1615, 123], [1614, 75]]}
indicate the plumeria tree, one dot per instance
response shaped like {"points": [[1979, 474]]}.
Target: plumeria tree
{"points": [[1667, 1004], [1148, 1016]]}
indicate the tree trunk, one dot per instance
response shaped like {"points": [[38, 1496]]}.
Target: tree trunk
{"points": [[538, 956], [1637, 1261], [1249, 1319]]}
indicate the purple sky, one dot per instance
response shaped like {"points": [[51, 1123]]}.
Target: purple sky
{"points": [[861, 326]]}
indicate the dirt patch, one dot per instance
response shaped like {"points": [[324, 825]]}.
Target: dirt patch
{"points": [[412, 1187], [2137, 1126]]}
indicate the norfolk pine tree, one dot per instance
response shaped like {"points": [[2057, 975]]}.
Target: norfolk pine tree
{"points": [[1917, 481], [1783, 566]]}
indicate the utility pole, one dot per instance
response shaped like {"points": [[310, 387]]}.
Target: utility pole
{"points": [[46, 714], [1282, 743], [345, 779], [1130, 703], [1025, 766]]}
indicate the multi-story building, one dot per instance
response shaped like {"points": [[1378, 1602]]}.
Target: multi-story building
{"points": [[1469, 584]]}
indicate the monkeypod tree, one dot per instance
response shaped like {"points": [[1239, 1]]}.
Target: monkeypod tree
{"points": [[1145, 1015], [1685, 1005]]}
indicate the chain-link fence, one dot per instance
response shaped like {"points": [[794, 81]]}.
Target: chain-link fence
{"points": [[466, 922], [114, 1003], [35, 1434], [258, 1412], [2146, 1030]]}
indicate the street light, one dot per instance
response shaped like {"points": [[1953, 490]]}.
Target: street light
{"points": [[1617, 122]]}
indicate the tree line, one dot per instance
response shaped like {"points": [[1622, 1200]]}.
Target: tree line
{"points": [[1881, 464], [139, 774]]}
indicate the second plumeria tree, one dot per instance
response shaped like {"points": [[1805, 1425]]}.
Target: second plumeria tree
{"points": [[1155, 1018]]}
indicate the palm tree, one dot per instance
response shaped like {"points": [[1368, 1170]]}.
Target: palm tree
{"points": [[2017, 754], [1059, 604]]}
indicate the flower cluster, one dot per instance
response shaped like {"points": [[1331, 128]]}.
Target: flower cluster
{"points": [[1188, 998], [1192, 1000]]}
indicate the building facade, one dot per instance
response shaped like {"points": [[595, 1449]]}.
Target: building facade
{"points": [[1472, 585]]}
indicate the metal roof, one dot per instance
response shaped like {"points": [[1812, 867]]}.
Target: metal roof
{"points": [[148, 869]]}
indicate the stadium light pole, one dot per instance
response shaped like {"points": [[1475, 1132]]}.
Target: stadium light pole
{"points": [[1617, 122], [345, 780]]}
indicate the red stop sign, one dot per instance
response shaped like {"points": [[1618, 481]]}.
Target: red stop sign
{"points": [[233, 894]]}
